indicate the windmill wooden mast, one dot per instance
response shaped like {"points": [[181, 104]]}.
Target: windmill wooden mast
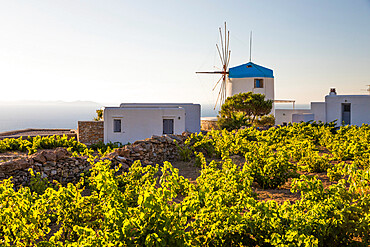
{"points": [[224, 54]]}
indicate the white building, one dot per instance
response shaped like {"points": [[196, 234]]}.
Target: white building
{"points": [[251, 77], [132, 122], [348, 109], [345, 109]]}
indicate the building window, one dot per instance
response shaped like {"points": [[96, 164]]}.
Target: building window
{"points": [[117, 125], [258, 83], [167, 126]]}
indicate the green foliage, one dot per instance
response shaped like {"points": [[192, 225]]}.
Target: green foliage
{"points": [[235, 120], [268, 168], [38, 184], [184, 151], [313, 162], [154, 206], [99, 115], [32, 144], [266, 120], [102, 147], [243, 109]]}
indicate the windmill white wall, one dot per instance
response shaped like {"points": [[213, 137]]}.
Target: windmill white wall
{"points": [[243, 85], [251, 77]]}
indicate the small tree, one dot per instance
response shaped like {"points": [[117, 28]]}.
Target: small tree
{"points": [[242, 110], [99, 116]]}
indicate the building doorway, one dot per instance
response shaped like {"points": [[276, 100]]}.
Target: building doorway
{"points": [[346, 113], [167, 126]]}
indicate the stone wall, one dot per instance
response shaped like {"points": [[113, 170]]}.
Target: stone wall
{"points": [[152, 150], [209, 125], [90, 132], [53, 164], [59, 165]]}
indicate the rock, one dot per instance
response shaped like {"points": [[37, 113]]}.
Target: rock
{"points": [[50, 156], [48, 168], [125, 167], [60, 165], [61, 153], [122, 159], [112, 155], [39, 157], [137, 149], [13, 165], [123, 152]]}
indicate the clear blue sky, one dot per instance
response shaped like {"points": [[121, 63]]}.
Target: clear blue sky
{"points": [[149, 51]]}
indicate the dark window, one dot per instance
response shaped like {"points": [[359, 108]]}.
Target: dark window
{"points": [[249, 66], [258, 83], [117, 124], [167, 126]]}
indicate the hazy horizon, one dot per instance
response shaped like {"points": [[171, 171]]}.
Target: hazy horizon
{"points": [[56, 114], [144, 51]]}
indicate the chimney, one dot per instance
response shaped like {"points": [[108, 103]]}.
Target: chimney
{"points": [[333, 91]]}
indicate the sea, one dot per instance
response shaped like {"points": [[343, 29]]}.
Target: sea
{"points": [[45, 115], [65, 115]]}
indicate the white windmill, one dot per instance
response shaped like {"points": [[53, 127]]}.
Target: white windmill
{"points": [[248, 77]]}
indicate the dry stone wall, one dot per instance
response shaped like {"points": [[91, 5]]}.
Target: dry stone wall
{"points": [[90, 132], [152, 150], [53, 164], [208, 125], [59, 164]]}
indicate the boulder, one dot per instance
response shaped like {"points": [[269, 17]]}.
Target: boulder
{"points": [[39, 157], [123, 152], [50, 155], [62, 153], [13, 165]]}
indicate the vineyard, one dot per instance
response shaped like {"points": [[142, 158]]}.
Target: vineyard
{"points": [[154, 206]]}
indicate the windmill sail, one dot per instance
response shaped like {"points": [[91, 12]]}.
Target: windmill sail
{"points": [[224, 55]]}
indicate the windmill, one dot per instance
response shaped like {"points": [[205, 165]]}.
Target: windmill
{"points": [[224, 54]]}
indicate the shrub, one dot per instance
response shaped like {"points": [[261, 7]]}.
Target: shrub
{"points": [[268, 168]]}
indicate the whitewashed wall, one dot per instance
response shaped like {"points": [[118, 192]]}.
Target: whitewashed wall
{"points": [[139, 123], [302, 117], [285, 115], [319, 110], [243, 85], [192, 112], [360, 108]]}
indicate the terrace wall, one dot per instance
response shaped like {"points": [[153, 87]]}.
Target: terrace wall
{"points": [[90, 132]]}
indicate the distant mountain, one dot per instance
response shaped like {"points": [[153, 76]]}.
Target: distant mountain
{"points": [[50, 103]]}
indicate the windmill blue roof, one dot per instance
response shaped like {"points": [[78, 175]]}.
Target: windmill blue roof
{"points": [[250, 70]]}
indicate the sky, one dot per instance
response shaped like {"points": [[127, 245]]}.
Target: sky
{"points": [[117, 51]]}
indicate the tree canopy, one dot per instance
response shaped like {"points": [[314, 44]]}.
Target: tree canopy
{"points": [[243, 109]]}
